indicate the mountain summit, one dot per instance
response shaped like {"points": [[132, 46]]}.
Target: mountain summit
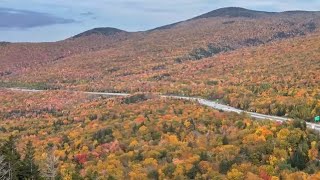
{"points": [[106, 31], [227, 12], [234, 12]]}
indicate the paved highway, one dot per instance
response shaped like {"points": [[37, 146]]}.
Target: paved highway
{"points": [[204, 102]]}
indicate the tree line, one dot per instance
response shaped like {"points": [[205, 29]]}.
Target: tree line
{"points": [[14, 166]]}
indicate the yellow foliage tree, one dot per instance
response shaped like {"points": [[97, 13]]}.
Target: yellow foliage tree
{"points": [[296, 176], [137, 173], [313, 152], [235, 174]]}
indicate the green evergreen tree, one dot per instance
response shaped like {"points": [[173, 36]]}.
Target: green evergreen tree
{"points": [[153, 174], [225, 140], [225, 166], [299, 159], [29, 169], [12, 158], [192, 173]]}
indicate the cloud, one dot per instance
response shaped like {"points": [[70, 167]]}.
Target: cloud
{"points": [[13, 18], [87, 13]]}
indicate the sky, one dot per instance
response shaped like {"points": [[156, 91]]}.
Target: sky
{"points": [[54, 20]]}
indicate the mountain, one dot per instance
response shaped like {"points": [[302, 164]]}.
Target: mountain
{"points": [[237, 12], [216, 55], [233, 12], [223, 27], [40, 54], [107, 31], [228, 12]]}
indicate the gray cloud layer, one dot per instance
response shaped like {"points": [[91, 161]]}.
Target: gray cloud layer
{"points": [[12, 18]]}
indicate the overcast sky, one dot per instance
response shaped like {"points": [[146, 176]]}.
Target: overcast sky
{"points": [[52, 20]]}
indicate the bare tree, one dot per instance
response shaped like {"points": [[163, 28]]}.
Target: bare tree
{"points": [[50, 170], [4, 169]]}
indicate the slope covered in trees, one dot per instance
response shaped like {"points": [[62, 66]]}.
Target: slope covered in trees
{"points": [[278, 78], [265, 62], [224, 28], [16, 58], [145, 137]]}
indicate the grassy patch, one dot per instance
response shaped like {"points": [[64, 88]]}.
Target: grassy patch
{"points": [[36, 85]]}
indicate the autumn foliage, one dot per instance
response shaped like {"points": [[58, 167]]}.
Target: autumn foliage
{"points": [[156, 138], [266, 65]]}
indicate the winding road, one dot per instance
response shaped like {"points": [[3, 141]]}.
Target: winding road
{"points": [[201, 101]]}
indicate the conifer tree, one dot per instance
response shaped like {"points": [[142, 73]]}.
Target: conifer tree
{"points": [[29, 169], [12, 158]]}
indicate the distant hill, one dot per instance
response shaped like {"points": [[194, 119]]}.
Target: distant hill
{"points": [[109, 59], [228, 12], [238, 12], [4, 43], [235, 12], [107, 31]]}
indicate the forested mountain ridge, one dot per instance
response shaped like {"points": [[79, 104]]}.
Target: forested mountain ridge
{"points": [[100, 31], [223, 28], [216, 56]]}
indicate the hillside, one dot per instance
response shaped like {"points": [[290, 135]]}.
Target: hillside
{"points": [[250, 66], [248, 62], [221, 28], [16, 57]]}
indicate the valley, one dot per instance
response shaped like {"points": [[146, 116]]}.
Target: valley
{"points": [[230, 94]]}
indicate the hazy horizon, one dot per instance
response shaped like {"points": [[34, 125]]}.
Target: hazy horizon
{"points": [[43, 21]]}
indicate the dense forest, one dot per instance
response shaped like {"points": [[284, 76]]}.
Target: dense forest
{"points": [[73, 136], [242, 78]]}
